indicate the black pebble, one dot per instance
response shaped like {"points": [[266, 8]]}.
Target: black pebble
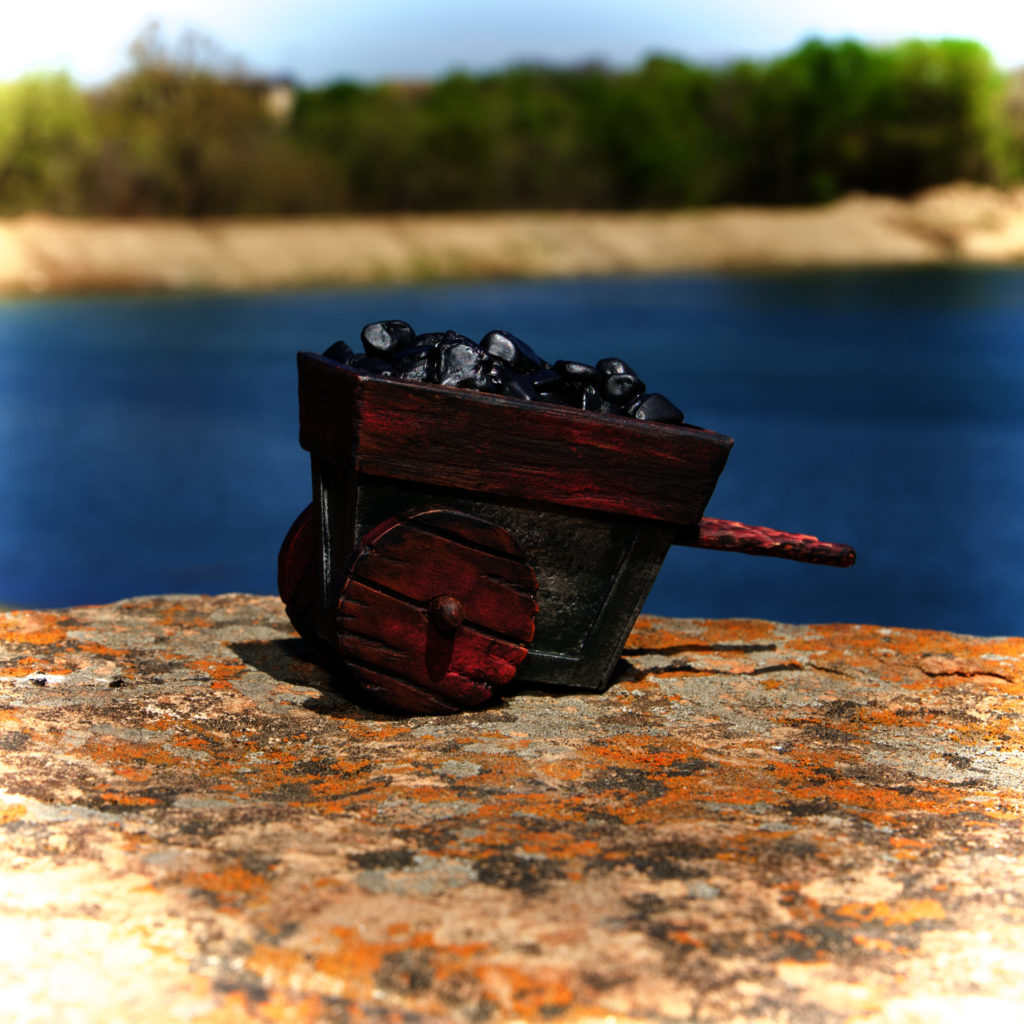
{"points": [[522, 387], [498, 374], [611, 365], [370, 364], [582, 373], [621, 387], [655, 409], [433, 338], [340, 352], [413, 363], [386, 335], [511, 351], [546, 382], [593, 401], [503, 364], [459, 363]]}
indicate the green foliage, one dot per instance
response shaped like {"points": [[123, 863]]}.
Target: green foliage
{"points": [[46, 135], [185, 132], [515, 140], [807, 127]]}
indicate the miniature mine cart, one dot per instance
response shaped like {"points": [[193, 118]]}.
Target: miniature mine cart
{"points": [[458, 539]]}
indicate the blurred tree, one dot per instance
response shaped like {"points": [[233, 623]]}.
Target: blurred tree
{"points": [[46, 134], [513, 140], [186, 132], [939, 116], [660, 136], [811, 114], [1013, 113]]}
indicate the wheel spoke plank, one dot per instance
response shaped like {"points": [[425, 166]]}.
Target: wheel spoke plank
{"points": [[439, 604], [381, 630]]}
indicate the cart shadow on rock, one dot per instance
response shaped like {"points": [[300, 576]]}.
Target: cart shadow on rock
{"points": [[288, 660]]}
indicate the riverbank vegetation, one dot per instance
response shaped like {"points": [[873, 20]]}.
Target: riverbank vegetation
{"points": [[184, 133]]}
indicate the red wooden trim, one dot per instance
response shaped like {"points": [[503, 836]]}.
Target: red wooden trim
{"points": [[500, 446], [725, 535], [297, 582]]}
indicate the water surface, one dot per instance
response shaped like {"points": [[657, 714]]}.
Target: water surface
{"points": [[149, 444]]}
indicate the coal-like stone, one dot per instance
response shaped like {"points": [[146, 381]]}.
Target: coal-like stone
{"points": [[386, 336], [497, 374], [415, 364], [433, 338], [371, 364], [460, 364], [500, 346], [622, 387], [582, 373], [611, 365], [655, 408], [522, 387], [340, 352], [546, 382], [503, 364], [593, 401], [511, 351]]}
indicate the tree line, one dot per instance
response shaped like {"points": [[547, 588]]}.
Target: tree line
{"points": [[183, 133]]}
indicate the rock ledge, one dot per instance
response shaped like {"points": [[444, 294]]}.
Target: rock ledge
{"points": [[757, 821]]}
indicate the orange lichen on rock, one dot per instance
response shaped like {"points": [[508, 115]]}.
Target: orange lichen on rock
{"points": [[34, 628], [233, 887], [755, 821], [20, 668], [12, 812], [902, 912]]}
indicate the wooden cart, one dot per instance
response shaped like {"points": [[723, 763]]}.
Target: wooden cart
{"points": [[457, 539]]}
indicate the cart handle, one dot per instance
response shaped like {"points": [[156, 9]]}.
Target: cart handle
{"points": [[725, 535]]}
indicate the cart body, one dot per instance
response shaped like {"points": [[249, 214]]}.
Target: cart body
{"points": [[590, 502]]}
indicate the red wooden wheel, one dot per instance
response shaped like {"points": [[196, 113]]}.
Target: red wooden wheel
{"points": [[296, 581], [437, 611]]}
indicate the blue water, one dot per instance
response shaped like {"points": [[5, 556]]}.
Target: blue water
{"points": [[149, 444]]}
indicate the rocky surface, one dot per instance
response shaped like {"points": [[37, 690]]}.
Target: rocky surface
{"points": [[757, 821], [953, 223]]}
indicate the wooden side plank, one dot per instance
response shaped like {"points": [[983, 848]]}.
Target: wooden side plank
{"points": [[495, 445], [726, 535]]}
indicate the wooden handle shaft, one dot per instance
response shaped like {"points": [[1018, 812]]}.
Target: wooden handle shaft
{"points": [[725, 535]]}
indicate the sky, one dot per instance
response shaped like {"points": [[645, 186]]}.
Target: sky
{"points": [[317, 41]]}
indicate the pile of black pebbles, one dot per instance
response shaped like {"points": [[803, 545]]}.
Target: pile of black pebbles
{"points": [[502, 364]]}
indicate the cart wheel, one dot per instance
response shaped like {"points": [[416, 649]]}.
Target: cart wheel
{"points": [[296, 581], [437, 611]]}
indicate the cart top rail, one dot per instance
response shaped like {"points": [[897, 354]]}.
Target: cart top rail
{"points": [[490, 444]]}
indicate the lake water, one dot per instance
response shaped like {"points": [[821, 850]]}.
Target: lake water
{"points": [[149, 444]]}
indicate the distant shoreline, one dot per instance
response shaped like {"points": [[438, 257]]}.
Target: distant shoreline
{"points": [[959, 223]]}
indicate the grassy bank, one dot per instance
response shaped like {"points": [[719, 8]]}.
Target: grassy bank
{"points": [[955, 223]]}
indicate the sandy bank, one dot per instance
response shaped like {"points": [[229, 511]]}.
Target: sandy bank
{"points": [[954, 223]]}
